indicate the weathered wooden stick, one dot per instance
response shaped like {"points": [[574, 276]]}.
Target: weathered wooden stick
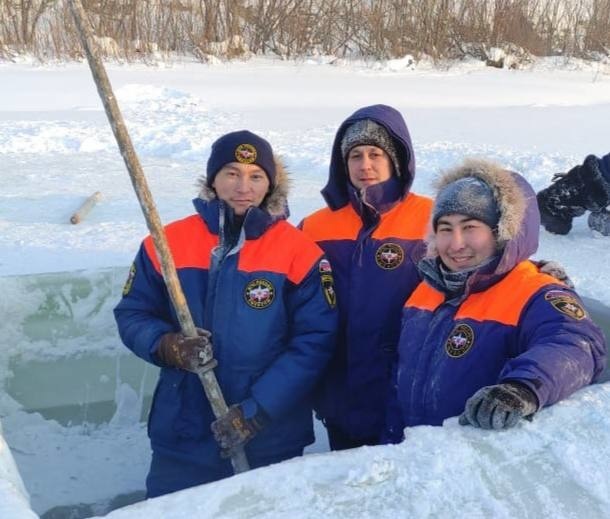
{"points": [[208, 379], [85, 208]]}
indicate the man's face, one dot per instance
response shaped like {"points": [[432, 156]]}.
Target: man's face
{"points": [[241, 185], [368, 165], [463, 242]]}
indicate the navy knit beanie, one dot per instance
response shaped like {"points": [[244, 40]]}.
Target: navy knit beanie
{"points": [[469, 196], [244, 147]]}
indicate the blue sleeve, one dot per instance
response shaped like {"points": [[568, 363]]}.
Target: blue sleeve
{"points": [[144, 312], [561, 349], [313, 325]]}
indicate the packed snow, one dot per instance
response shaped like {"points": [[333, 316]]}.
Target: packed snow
{"points": [[73, 399]]}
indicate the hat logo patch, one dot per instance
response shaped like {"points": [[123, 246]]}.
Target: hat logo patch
{"points": [[460, 341], [566, 304], [389, 256], [245, 154], [259, 293]]}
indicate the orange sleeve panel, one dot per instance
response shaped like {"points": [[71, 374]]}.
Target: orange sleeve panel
{"points": [[502, 303], [407, 221], [190, 243], [325, 224], [283, 249]]}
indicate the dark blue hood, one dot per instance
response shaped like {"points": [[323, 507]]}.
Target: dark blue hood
{"points": [[336, 190]]}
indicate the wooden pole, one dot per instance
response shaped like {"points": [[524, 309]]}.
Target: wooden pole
{"points": [[85, 208], [208, 379]]}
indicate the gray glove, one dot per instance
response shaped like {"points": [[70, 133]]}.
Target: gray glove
{"points": [[500, 406], [189, 353]]}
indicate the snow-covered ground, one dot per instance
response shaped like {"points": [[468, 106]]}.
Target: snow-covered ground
{"points": [[59, 352]]}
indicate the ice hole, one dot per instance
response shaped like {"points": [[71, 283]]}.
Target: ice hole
{"points": [[74, 400]]}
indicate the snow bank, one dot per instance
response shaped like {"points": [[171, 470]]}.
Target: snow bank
{"points": [[552, 467], [14, 501]]}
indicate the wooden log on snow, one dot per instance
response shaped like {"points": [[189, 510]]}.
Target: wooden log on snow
{"points": [[85, 208]]}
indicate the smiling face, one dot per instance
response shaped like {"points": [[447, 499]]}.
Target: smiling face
{"points": [[463, 242], [241, 185], [368, 165]]}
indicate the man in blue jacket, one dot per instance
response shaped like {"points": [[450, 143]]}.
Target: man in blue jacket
{"points": [[372, 232], [583, 188], [486, 335], [260, 291]]}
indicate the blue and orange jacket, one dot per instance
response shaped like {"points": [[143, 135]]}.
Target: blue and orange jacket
{"points": [[373, 242], [268, 306], [512, 323]]}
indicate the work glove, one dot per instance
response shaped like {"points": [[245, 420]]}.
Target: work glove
{"points": [[500, 406], [189, 353], [555, 269], [233, 430]]}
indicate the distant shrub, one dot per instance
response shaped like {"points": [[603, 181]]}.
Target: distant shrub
{"points": [[378, 29]]}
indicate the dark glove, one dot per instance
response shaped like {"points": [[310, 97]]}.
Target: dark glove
{"points": [[189, 353], [500, 406], [555, 269], [233, 430]]}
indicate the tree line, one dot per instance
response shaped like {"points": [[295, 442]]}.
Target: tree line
{"points": [[375, 29]]}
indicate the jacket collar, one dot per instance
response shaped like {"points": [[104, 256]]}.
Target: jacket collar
{"points": [[256, 220]]}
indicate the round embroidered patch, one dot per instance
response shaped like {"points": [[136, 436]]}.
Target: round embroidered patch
{"points": [[389, 256], [566, 304], [259, 293], [129, 282], [245, 153], [460, 341]]}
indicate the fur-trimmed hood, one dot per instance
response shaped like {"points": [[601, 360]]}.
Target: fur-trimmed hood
{"points": [[519, 224], [276, 201]]}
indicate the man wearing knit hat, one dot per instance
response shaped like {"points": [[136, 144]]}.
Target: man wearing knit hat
{"points": [[261, 293], [486, 336], [372, 232]]}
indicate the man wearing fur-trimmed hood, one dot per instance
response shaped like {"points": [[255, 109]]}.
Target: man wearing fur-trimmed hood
{"points": [[487, 336], [261, 294]]}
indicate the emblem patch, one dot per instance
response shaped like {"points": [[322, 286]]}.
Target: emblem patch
{"points": [[259, 293], [328, 284], [566, 304], [130, 277], [389, 256], [245, 153], [460, 341]]}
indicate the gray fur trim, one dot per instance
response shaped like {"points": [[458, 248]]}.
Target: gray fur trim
{"points": [[276, 200], [511, 200]]}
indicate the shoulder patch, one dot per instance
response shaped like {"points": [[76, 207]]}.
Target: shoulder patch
{"points": [[129, 282], [460, 341], [328, 284], [389, 256], [566, 304]]}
